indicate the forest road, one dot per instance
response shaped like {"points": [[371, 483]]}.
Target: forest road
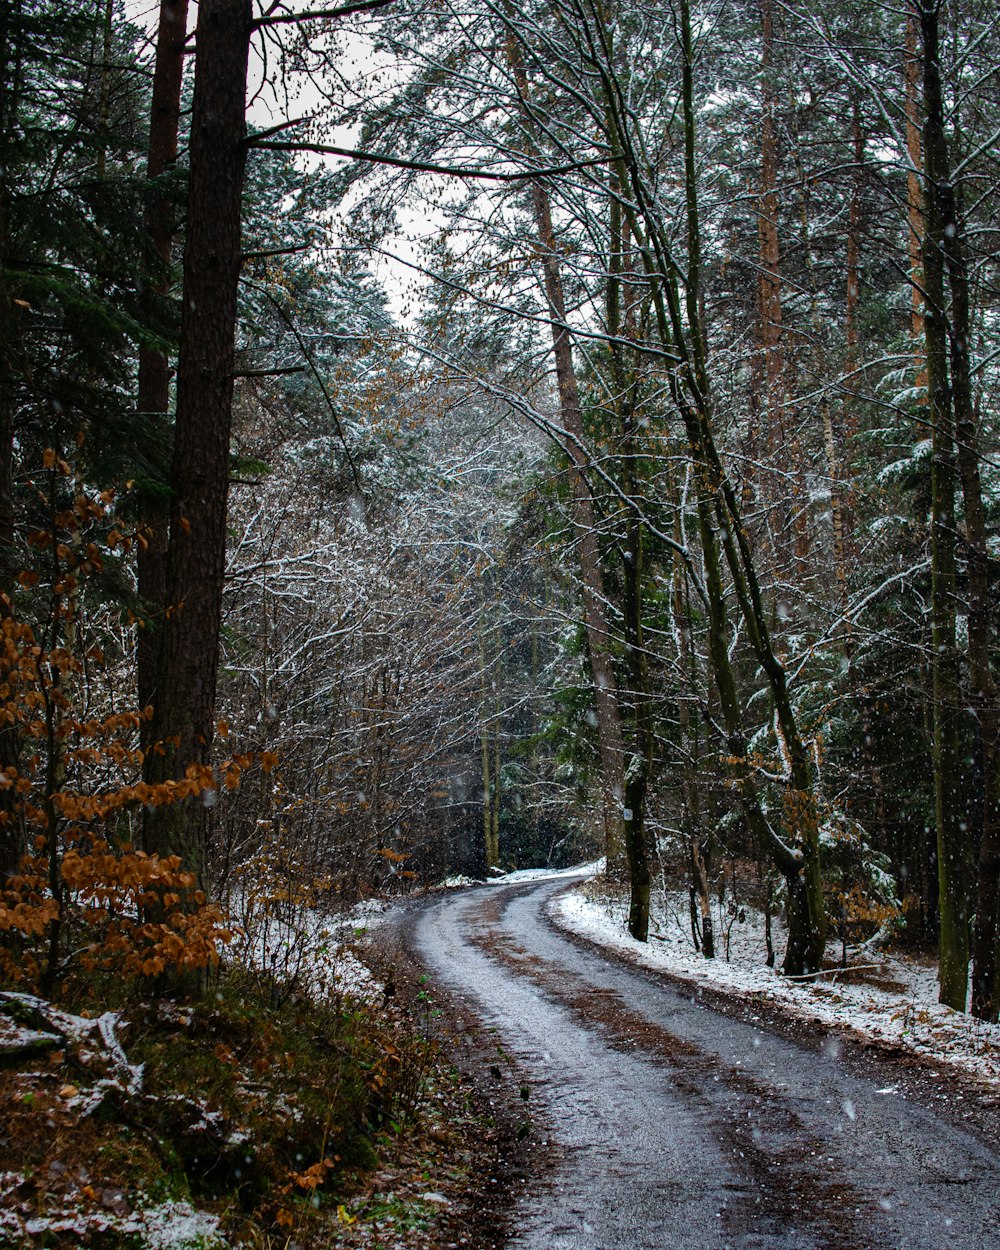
{"points": [[678, 1127]]}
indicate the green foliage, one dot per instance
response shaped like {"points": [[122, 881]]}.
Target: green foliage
{"points": [[71, 135]]}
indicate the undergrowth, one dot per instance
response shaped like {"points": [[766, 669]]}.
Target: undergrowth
{"points": [[153, 1091], [263, 1117]]}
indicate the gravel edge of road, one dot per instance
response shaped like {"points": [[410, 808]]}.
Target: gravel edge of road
{"points": [[513, 1148]]}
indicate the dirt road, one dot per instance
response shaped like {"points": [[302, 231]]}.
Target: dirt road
{"points": [[679, 1127]]}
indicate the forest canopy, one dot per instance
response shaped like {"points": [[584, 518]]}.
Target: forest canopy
{"points": [[436, 438]]}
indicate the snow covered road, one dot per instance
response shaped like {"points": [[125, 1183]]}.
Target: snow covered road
{"points": [[678, 1127]]}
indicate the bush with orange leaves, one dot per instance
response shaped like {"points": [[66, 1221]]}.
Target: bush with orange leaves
{"points": [[82, 897]]}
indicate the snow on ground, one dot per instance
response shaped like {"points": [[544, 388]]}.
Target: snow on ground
{"points": [[457, 883], [308, 945], [82, 1032], [499, 877], [172, 1225], [896, 1002], [175, 1224], [551, 874]]}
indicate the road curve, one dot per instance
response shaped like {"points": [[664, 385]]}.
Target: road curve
{"points": [[681, 1128]]}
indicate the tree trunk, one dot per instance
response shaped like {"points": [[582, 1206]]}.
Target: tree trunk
{"points": [[153, 398], [497, 788], [638, 849], [595, 613], [12, 845], [490, 758], [914, 195], [689, 747], [948, 223], [104, 91], [637, 840], [954, 948], [188, 664], [787, 520], [769, 294]]}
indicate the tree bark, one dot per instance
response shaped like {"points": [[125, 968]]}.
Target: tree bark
{"points": [[914, 194], [490, 761], [595, 615], [153, 398], [639, 850], [188, 663], [771, 317], [689, 746], [950, 228], [12, 844], [954, 942]]}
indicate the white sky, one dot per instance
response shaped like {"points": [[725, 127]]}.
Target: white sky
{"points": [[401, 283]]}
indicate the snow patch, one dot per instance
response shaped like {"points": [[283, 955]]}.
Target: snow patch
{"points": [[82, 1032], [176, 1224], [549, 874], [308, 947], [173, 1225], [897, 1006]]}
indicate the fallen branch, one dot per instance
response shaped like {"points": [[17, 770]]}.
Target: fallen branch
{"points": [[834, 972], [60, 1026]]}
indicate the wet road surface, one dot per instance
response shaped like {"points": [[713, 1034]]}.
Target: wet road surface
{"points": [[681, 1128]]}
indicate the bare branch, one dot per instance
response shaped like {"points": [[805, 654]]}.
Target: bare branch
{"points": [[423, 167], [289, 19]]}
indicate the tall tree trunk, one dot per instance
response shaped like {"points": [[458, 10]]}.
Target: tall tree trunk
{"points": [[153, 398], [985, 982], [914, 193], [497, 786], [953, 908], [840, 473], [595, 613], [12, 845], [638, 844], [769, 294], [638, 849], [787, 522], [852, 301], [689, 747], [948, 223], [796, 851], [188, 664], [490, 761], [105, 12], [837, 441]]}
